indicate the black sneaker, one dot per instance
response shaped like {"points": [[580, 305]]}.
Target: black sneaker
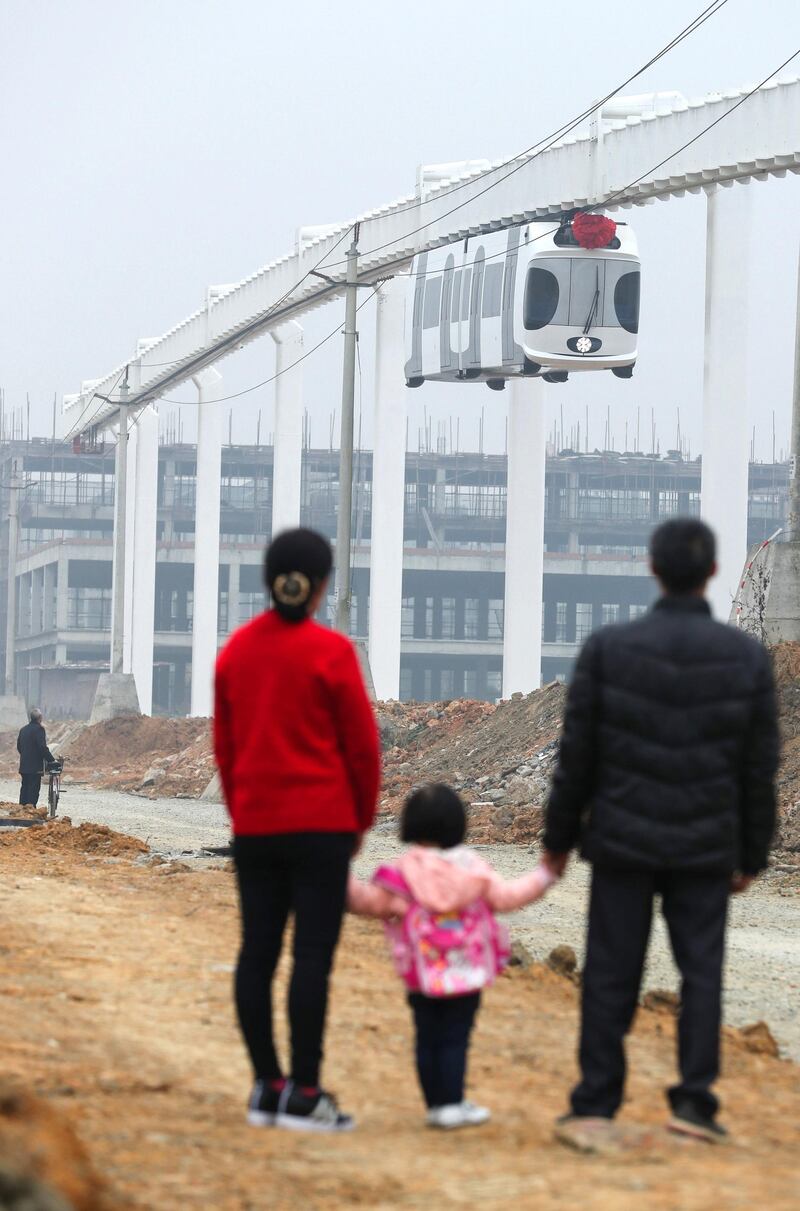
{"points": [[299, 1112], [263, 1105], [688, 1120]]}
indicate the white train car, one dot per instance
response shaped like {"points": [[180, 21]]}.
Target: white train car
{"points": [[546, 299]]}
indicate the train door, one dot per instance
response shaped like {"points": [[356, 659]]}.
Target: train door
{"points": [[448, 362], [512, 352], [431, 312], [414, 335], [491, 309], [472, 358]]}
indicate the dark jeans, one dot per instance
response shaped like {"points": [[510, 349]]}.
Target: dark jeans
{"points": [[443, 1027], [620, 914], [304, 874], [30, 788]]}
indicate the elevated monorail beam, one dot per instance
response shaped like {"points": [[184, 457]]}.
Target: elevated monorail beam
{"points": [[636, 160]]}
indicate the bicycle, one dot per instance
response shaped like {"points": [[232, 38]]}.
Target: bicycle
{"points": [[54, 769]]}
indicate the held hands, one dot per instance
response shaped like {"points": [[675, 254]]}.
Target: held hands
{"points": [[555, 863]]}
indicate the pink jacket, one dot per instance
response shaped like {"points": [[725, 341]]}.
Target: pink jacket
{"points": [[444, 881]]}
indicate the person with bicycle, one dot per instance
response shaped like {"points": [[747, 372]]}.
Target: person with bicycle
{"points": [[33, 753], [297, 748]]}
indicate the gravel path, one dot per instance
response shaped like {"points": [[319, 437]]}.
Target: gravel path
{"points": [[763, 966]]}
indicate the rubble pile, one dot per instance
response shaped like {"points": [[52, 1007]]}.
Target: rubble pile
{"points": [[500, 758]]}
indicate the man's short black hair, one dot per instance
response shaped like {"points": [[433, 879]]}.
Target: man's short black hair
{"points": [[434, 815], [683, 553]]}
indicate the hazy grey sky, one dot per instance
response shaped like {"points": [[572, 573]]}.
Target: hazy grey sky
{"points": [[150, 148]]}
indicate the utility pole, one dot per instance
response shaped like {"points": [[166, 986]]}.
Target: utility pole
{"points": [[120, 524], [344, 520], [794, 452], [11, 606]]}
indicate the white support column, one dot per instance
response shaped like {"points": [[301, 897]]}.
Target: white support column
{"points": [[288, 441], [206, 540], [130, 541], [522, 629], [388, 492], [726, 440], [143, 596]]}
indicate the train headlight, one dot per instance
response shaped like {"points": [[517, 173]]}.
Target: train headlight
{"points": [[584, 344]]}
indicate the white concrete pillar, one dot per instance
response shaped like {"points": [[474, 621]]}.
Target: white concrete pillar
{"points": [[388, 492], [288, 440], [234, 577], [130, 541], [62, 592], [143, 595], [206, 540], [522, 619], [726, 439]]}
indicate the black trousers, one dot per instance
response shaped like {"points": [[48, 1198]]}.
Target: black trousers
{"points": [[30, 789], [443, 1028], [304, 874], [620, 915]]}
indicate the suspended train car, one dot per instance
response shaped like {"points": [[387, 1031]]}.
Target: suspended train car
{"points": [[546, 299]]}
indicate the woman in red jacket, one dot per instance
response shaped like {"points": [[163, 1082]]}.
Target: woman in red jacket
{"points": [[299, 758]]}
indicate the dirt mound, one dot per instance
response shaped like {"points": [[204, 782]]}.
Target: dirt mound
{"points": [[59, 836], [20, 811], [499, 758], [43, 1165], [131, 738]]}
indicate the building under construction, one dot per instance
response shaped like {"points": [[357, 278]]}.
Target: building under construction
{"points": [[600, 509]]}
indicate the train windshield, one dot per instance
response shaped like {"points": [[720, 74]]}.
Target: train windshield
{"points": [[581, 292]]}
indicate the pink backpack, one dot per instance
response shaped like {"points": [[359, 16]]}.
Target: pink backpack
{"points": [[444, 954]]}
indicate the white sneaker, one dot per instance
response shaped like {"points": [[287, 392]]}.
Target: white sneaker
{"points": [[462, 1114]]}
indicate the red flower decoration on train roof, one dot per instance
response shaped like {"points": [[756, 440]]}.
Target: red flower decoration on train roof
{"points": [[593, 230]]}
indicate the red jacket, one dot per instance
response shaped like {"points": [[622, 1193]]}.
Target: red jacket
{"points": [[294, 734]]}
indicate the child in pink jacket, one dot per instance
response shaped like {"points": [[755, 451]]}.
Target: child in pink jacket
{"points": [[438, 902]]}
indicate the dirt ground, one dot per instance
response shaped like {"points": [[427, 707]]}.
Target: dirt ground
{"points": [[115, 1009]]}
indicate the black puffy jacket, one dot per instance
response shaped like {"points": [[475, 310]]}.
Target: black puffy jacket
{"points": [[669, 747]]}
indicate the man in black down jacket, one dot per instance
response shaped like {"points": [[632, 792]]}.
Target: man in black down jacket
{"points": [[33, 752], [665, 779]]}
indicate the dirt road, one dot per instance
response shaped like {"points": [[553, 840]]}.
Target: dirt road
{"points": [[115, 1005], [763, 969]]}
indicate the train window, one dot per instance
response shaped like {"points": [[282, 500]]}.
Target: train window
{"points": [[465, 285], [541, 298], [626, 300], [433, 297], [455, 309], [492, 289], [586, 291]]}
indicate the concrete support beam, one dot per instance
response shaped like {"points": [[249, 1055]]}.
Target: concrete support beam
{"points": [[288, 439], [234, 569], [131, 514], [143, 596], [522, 632], [388, 492], [726, 436], [206, 540]]}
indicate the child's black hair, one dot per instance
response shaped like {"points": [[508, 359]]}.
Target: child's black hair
{"points": [[295, 565], [434, 815]]}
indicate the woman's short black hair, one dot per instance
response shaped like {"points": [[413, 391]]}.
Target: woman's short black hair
{"points": [[295, 565], [683, 553], [434, 815]]}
